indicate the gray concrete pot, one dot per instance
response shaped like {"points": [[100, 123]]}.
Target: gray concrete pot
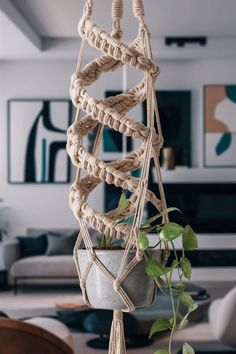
{"points": [[138, 286]]}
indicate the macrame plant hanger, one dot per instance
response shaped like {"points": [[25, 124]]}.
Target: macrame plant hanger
{"points": [[112, 112]]}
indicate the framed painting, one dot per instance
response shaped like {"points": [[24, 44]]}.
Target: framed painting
{"points": [[175, 115], [220, 126], [37, 140], [113, 142]]}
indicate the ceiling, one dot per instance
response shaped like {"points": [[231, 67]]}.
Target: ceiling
{"points": [[47, 29], [58, 18]]}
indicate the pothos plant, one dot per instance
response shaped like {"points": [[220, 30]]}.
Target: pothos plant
{"points": [[108, 242], [166, 235]]}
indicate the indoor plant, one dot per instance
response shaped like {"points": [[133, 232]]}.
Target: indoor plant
{"points": [[138, 285], [166, 233]]}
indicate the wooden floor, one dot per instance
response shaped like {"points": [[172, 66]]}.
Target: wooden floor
{"points": [[36, 302]]}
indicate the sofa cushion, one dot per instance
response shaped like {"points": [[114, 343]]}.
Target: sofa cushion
{"points": [[44, 266], [32, 246], [58, 244], [63, 232]]}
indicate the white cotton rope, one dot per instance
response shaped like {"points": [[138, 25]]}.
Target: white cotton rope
{"points": [[112, 112]]}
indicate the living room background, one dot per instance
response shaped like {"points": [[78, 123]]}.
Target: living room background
{"points": [[194, 44], [32, 205]]}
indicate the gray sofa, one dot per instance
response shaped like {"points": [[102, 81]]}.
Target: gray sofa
{"points": [[222, 318], [40, 268]]}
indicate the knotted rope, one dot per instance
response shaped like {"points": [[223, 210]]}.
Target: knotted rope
{"points": [[112, 112]]}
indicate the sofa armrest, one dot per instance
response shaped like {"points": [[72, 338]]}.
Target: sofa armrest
{"points": [[10, 252], [222, 318]]}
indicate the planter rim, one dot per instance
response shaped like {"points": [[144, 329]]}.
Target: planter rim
{"points": [[106, 251], [113, 251]]}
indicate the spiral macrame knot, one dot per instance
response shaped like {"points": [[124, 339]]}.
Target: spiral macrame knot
{"points": [[118, 315], [88, 8], [117, 9], [117, 33], [144, 29], [112, 112], [154, 71], [139, 256], [92, 102], [138, 8], [116, 285], [91, 257]]}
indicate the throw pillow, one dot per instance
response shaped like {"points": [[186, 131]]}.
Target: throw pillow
{"points": [[58, 244], [32, 246]]}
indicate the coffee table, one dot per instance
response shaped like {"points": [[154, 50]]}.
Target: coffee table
{"points": [[73, 314]]}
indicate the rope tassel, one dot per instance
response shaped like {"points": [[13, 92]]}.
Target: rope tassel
{"points": [[117, 336]]}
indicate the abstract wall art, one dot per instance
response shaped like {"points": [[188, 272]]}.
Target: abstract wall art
{"points": [[220, 125], [37, 140], [175, 114], [112, 140]]}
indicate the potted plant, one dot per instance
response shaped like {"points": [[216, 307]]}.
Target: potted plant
{"points": [[138, 285], [141, 283]]}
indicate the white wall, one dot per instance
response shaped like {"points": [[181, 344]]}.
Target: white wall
{"points": [[46, 206]]}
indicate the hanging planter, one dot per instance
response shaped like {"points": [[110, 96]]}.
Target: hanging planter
{"points": [[126, 279], [99, 290]]}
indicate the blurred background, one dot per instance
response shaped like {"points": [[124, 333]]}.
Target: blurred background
{"points": [[194, 44]]}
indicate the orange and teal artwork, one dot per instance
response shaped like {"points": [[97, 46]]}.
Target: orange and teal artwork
{"points": [[220, 125]]}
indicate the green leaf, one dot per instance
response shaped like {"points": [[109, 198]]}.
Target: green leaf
{"points": [[187, 349], [160, 281], [143, 242], [179, 286], [122, 205], [186, 299], [179, 315], [183, 324], [189, 239], [159, 326], [147, 228], [193, 307], [186, 267], [155, 269], [174, 264], [158, 216], [123, 202], [161, 351], [170, 231]]}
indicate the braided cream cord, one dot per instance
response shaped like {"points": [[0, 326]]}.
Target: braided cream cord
{"points": [[112, 112]]}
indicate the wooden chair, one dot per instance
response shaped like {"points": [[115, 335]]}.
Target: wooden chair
{"points": [[18, 337]]}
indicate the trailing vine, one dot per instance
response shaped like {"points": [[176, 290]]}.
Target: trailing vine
{"points": [[166, 235]]}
